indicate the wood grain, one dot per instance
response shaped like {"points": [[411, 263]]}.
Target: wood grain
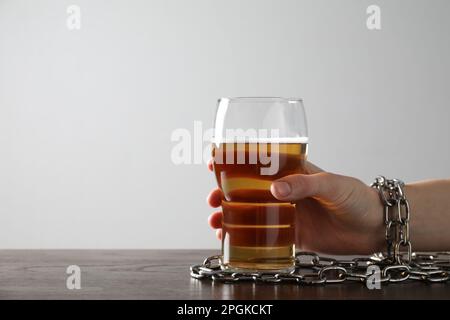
{"points": [[162, 274]]}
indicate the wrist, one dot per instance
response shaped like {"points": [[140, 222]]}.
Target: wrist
{"points": [[396, 218], [377, 238]]}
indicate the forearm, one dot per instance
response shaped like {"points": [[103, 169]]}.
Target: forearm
{"points": [[430, 215]]}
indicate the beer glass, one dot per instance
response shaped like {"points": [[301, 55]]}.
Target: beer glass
{"points": [[258, 140]]}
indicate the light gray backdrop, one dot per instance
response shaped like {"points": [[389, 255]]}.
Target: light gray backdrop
{"points": [[86, 116]]}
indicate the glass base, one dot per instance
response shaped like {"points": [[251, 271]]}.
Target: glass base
{"points": [[259, 268], [258, 259]]}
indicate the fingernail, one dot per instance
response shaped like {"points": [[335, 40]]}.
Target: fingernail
{"points": [[282, 189]]}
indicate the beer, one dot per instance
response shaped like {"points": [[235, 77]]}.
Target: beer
{"points": [[258, 231]]}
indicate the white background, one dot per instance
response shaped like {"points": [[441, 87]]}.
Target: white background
{"points": [[86, 116]]}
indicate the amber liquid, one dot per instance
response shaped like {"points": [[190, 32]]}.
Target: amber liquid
{"points": [[258, 231]]}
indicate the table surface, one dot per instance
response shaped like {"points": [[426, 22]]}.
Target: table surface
{"points": [[163, 274]]}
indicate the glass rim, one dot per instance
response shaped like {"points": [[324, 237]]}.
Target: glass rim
{"points": [[261, 99]]}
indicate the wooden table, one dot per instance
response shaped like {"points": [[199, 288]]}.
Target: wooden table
{"points": [[162, 274]]}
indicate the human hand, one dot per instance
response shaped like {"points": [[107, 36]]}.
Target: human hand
{"points": [[335, 214]]}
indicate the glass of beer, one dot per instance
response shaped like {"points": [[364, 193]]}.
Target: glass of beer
{"points": [[258, 140]]}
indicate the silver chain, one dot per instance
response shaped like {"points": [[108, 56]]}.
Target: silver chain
{"points": [[311, 269], [395, 266], [396, 218]]}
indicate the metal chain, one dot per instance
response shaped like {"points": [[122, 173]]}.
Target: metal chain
{"points": [[312, 269], [396, 218], [395, 266]]}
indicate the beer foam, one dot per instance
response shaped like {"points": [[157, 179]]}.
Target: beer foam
{"points": [[276, 140]]}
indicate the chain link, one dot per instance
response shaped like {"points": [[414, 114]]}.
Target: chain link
{"points": [[312, 269], [396, 218], [399, 264]]}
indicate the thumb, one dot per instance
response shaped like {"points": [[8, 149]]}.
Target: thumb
{"points": [[325, 186]]}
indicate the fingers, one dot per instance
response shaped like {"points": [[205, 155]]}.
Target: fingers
{"points": [[215, 220], [210, 165], [215, 198], [325, 186]]}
